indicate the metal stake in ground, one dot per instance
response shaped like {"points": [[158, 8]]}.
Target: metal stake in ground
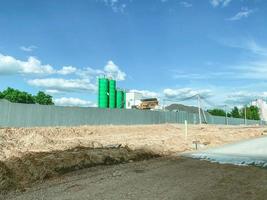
{"points": [[196, 143]]}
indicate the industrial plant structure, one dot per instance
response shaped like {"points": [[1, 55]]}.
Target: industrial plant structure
{"points": [[109, 96]]}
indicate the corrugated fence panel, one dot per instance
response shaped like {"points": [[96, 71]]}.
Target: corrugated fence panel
{"points": [[30, 115]]}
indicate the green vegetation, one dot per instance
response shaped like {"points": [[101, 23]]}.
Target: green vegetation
{"points": [[43, 99], [17, 96], [252, 112], [217, 112], [235, 113]]}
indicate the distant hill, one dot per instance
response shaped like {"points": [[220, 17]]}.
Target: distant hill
{"points": [[181, 107]]}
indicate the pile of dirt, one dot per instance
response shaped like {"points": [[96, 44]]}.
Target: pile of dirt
{"points": [[20, 172], [14, 142], [7, 178], [28, 155]]}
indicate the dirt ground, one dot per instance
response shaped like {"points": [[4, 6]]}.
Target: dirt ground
{"points": [[161, 178], [29, 155], [163, 139]]}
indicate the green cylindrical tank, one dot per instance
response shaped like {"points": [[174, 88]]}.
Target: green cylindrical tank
{"points": [[103, 86], [119, 99], [112, 94]]}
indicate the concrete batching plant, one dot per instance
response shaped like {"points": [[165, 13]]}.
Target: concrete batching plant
{"points": [[103, 89], [108, 95]]}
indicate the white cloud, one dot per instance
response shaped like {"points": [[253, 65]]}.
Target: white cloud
{"points": [[182, 93], [223, 3], [249, 45], [185, 4], [70, 101], [10, 65], [67, 85], [252, 46], [34, 66], [252, 70], [254, 66], [184, 75], [52, 92], [241, 98], [146, 93], [244, 13], [81, 79], [89, 73], [67, 70], [113, 71], [28, 49], [116, 5]]}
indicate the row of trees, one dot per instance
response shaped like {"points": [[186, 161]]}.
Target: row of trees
{"points": [[17, 96], [251, 112]]}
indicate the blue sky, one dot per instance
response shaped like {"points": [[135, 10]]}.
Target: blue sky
{"points": [[171, 49]]}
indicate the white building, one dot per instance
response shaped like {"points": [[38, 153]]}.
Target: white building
{"points": [[133, 99], [262, 105]]}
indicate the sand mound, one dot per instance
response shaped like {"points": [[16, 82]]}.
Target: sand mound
{"points": [[32, 140]]}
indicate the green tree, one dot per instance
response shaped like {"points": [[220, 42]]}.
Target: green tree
{"points": [[235, 113], [17, 96], [43, 99], [252, 112], [217, 112], [255, 113]]}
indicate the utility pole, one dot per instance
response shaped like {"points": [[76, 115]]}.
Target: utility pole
{"points": [[203, 112], [226, 121], [245, 114], [199, 112]]}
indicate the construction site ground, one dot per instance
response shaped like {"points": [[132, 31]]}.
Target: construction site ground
{"points": [[160, 178], [39, 162]]}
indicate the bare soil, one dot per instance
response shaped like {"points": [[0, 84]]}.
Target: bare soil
{"points": [[163, 139], [29, 155], [161, 178]]}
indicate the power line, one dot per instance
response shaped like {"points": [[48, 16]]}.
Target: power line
{"points": [[180, 99]]}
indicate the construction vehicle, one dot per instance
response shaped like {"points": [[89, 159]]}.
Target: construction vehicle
{"points": [[148, 104]]}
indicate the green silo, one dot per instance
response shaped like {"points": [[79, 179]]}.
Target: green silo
{"points": [[103, 92], [112, 94], [119, 99]]}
